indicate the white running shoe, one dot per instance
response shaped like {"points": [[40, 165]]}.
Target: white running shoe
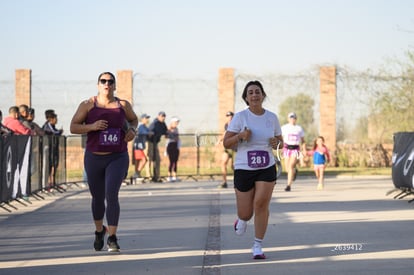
{"points": [[257, 252], [240, 227]]}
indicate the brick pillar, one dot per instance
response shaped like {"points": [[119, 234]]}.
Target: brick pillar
{"points": [[226, 85], [124, 91], [124, 85], [327, 107], [23, 84]]}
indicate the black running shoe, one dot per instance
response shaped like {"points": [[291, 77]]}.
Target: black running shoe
{"points": [[223, 185], [113, 244], [99, 239], [287, 189]]}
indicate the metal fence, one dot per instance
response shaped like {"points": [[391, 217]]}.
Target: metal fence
{"points": [[200, 156], [30, 165]]}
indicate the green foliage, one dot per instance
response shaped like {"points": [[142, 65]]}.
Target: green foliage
{"points": [[361, 129], [342, 159], [302, 105], [392, 110]]}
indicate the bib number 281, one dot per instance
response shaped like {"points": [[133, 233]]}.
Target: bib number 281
{"points": [[257, 159]]}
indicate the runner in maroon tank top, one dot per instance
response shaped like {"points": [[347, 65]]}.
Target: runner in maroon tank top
{"points": [[110, 124]]}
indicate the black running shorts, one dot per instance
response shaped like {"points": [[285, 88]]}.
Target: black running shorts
{"points": [[244, 180]]}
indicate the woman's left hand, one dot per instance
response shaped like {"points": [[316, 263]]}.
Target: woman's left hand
{"points": [[275, 142], [129, 135]]}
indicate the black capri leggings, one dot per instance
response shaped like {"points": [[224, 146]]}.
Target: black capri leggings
{"points": [[173, 154], [105, 175]]}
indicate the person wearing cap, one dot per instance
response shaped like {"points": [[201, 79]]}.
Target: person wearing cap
{"points": [[293, 136], [140, 145], [157, 129], [227, 153], [173, 148], [255, 132]]}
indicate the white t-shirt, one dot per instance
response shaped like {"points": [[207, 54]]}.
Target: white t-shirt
{"points": [[292, 134], [257, 152]]}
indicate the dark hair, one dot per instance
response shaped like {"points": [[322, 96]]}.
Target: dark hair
{"points": [[31, 111], [111, 74], [250, 83], [14, 109], [315, 142], [48, 112], [23, 106], [51, 115]]}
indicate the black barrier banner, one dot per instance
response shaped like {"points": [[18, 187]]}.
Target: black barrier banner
{"points": [[403, 160], [15, 167]]}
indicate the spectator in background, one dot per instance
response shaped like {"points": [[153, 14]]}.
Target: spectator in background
{"points": [[23, 117], [173, 149], [140, 146], [227, 153], [36, 129], [53, 134], [23, 112], [158, 128], [4, 131], [12, 122], [50, 125], [48, 112]]}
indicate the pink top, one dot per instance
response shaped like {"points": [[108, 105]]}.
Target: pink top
{"points": [[16, 126]]}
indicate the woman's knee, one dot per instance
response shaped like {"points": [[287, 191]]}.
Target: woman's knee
{"points": [[112, 198], [245, 215], [261, 205]]}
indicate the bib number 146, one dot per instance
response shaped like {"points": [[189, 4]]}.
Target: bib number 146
{"points": [[110, 136]]}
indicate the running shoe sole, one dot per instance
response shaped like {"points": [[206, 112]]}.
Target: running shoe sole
{"points": [[113, 249], [259, 257], [112, 244]]}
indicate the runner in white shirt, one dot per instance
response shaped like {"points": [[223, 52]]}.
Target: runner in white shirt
{"points": [[255, 131], [293, 135]]}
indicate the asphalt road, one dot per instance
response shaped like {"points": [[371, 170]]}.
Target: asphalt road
{"points": [[350, 227]]}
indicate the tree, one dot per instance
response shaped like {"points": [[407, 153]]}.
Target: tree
{"points": [[302, 105], [360, 131], [392, 110]]}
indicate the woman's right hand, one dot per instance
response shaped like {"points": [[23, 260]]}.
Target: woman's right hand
{"points": [[100, 125], [245, 134]]}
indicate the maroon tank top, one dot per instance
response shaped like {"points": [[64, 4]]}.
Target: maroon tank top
{"points": [[112, 138]]}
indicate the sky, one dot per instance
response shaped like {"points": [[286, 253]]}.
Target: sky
{"points": [[78, 39], [68, 43]]}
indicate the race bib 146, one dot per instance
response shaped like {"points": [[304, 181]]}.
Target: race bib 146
{"points": [[110, 136]]}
